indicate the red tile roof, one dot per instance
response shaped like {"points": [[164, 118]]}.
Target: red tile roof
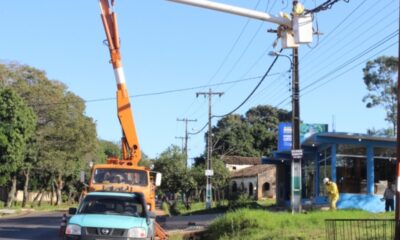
{"points": [[237, 160], [252, 171]]}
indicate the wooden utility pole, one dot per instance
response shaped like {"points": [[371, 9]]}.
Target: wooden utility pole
{"points": [[186, 138], [209, 171]]}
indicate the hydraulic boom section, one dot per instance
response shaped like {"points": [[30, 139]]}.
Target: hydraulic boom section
{"points": [[131, 153]]}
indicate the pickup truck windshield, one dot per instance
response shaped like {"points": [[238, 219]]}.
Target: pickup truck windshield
{"points": [[126, 176], [128, 206]]}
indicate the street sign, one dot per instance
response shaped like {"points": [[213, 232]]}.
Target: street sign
{"points": [[209, 172], [297, 153]]}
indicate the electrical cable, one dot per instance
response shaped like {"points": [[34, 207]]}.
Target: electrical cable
{"points": [[352, 31], [345, 50], [324, 6], [360, 63], [348, 62], [252, 92], [336, 27], [245, 100], [374, 46], [226, 56], [161, 92]]}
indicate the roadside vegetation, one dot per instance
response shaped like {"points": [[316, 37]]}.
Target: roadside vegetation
{"points": [[259, 224]]}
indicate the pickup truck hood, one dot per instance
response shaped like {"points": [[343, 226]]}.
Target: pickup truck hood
{"points": [[107, 221]]}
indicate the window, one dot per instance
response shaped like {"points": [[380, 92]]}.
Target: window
{"points": [[308, 175], [351, 169], [325, 168], [234, 187], [129, 206], [384, 168], [251, 189], [122, 176]]}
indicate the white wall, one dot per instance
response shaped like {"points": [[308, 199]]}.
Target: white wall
{"points": [[231, 167]]}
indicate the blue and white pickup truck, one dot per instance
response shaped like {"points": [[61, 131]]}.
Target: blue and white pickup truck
{"points": [[111, 215]]}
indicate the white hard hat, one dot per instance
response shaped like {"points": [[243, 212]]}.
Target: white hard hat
{"points": [[325, 180]]}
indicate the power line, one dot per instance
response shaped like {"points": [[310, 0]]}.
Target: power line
{"points": [[348, 51], [336, 27], [361, 62], [252, 92], [354, 29], [158, 93], [245, 100], [348, 62], [374, 46], [324, 6], [227, 55]]}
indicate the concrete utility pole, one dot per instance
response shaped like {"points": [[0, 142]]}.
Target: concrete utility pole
{"points": [[209, 172], [186, 138], [297, 152], [397, 205]]}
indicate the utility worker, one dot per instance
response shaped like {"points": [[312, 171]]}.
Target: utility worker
{"points": [[332, 191]]}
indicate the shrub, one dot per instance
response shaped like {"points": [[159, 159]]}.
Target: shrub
{"points": [[165, 208]]}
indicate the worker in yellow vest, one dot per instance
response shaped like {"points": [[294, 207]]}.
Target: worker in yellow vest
{"points": [[332, 191]]}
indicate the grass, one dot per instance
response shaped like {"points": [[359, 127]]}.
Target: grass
{"points": [[198, 208], [44, 207], [246, 219], [263, 225]]}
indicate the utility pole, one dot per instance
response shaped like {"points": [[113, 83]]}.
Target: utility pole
{"points": [[183, 143], [186, 138], [297, 152], [397, 206], [209, 172]]}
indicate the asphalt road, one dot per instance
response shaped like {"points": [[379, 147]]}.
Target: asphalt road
{"points": [[45, 225], [33, 226]]}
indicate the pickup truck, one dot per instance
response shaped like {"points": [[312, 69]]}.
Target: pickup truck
{"points": [[111, 215]]}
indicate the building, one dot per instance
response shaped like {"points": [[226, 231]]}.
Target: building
{"points": [[251, 178], [361, 165], [257, 182], [235, 163]]}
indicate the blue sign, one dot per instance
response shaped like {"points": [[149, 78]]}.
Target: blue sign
{"points": [[306, 130], [285, 136]]}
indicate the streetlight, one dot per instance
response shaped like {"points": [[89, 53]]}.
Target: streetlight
{"points": [[297, 153], [275, 53]]}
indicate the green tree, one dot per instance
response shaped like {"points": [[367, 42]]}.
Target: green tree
{"points": [[107, 149], [171, 163], [65, 138], [254, 134], [232, 136], [264, 121], [146, 161], [17, 125], [380, 78]]}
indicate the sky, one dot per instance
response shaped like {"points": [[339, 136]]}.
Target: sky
{"points": [[168, 46]]}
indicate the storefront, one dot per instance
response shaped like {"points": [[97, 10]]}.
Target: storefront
{"points": [[361, 165]]}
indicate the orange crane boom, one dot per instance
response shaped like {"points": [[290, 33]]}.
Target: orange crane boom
{"points": [[131, 153]]}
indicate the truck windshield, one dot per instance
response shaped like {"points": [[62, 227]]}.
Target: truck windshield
{"points": [[113, 205], [123, 176]]}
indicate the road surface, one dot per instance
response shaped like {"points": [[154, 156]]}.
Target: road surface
{"points": [[33, 226], [45, 225]]}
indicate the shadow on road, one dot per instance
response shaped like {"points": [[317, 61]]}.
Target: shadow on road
{"points": [[31, 227]]}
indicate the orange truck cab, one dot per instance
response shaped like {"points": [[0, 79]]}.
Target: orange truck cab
{"points": [[125, 178]]}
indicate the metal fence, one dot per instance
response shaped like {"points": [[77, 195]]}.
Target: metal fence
{"points": [[360, 229]]}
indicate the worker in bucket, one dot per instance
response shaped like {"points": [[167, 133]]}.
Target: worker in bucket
{"points": [[332, 191]]}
